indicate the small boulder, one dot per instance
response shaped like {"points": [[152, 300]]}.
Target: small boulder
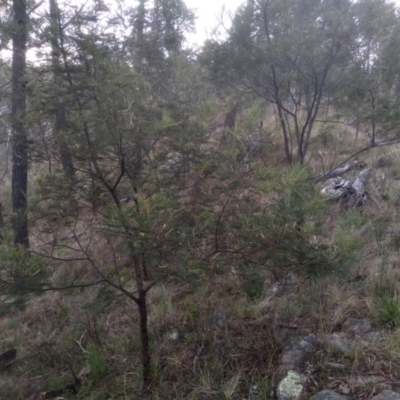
{"points": [[387, 395], [170, 341], [344, 389], [290, 279], [217, 320], [254, 393], [373, 336], [291, 387], [337, 342], [173, 335], [99, 395], [357, 326], [298, 348]]}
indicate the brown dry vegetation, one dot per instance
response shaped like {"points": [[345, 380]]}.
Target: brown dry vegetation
{"points": [[65, 333]]}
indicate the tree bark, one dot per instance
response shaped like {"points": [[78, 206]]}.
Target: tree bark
{"points": [[144, 334], [18, 108], [276, 94], [60, 114]]}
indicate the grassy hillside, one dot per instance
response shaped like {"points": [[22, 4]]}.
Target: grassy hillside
{"points": [[222, 339]]}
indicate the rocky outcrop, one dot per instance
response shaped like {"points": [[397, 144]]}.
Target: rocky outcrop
{"points": [[291, 377]]}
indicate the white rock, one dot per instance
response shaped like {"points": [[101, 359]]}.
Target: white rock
{"points": [[291, 387]]}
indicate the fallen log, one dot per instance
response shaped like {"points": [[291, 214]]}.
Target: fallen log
{"points": [[337, 171], [349, 194]]}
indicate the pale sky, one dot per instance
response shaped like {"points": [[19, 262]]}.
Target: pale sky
{"points": [[207, 12]]}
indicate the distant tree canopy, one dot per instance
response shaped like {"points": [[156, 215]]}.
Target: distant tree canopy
{"points": [[300, 56]]}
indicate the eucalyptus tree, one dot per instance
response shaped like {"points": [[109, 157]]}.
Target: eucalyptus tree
{"points": [[373, 95], [292, 54], [61, 121]]}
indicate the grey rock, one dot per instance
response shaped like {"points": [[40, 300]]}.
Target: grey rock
{"points": [[373, 336], [99, 395], [298, 348], [276, 288], [170, 340], [328, 395], [290, 279], [357, 326], [173, 335], [387, 395], [337, 342], [254, 393], [291, 387], [344, 389], [218, 320]]}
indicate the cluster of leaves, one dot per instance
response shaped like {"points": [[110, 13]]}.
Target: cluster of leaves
{"points": [[21, 275]]}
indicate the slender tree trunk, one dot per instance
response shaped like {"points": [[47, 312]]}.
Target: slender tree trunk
{"points": [[18, 108], [277, 96], [138, 146], [144, 334], [373, 121], [61, 117]]}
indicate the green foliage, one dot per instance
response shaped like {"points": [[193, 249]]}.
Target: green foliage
{"points": [[56, 383], [389, 311], [326, 135], [385, 196], [105, 297], [191, 311], [253, 285], [21, 274], [293, 67], [97, 363], [284, 236]]}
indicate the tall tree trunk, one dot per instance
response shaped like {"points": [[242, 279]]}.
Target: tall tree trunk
{"points": [[61, 117], [136, 164], [18, 108], [277, 95], [144, 334]]}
